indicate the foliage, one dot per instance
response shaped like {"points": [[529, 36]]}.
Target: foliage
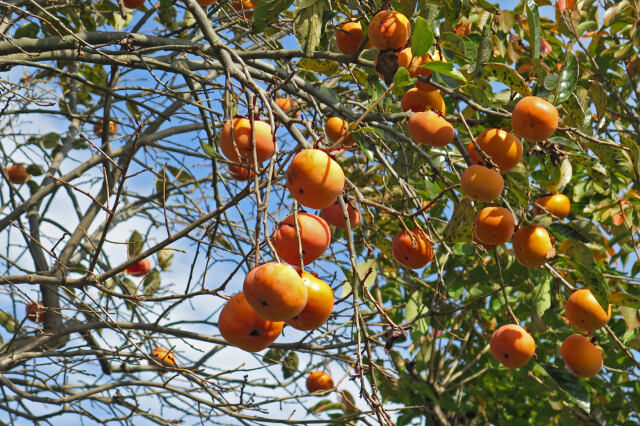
{"points": [[409, 345]]}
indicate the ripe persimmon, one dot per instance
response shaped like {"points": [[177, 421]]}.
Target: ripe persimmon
{"points": [[238, 147], [35, 311], [413, 249], [429, 128], [481, 183], [289, 106], [240, 173], [584, 312], [504, 149], [244, 7], [241, 326], [533, 246], [389, 30], [319, 380], [17, 174], [418, 100], [335, 128], [315, 237], [113, 128], [556, 204], [416, 70], [164, 356], [534, 118], [494, 225], [349, 36], [275, 291], [319, 304], [512, 345], [334, 215], [139, 269], [314, 179], [581, 356], [402, 57], [477, 240], [133, 4]]}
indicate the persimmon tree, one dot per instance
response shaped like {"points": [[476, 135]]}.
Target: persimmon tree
{"points": [[121, 247]]}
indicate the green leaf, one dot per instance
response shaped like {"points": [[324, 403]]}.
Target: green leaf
{"points": [[35, 170], [489, 7], [485, 48], [401, 79], [533, 17], [580, 257], [165, 258], [209, 149], [182, 175], [367, 272], [290, 365], [323, 66], [267, 12], [445, 68], [8, 321], [166, 16], [460, 226], [307, 26], [28, 30], [421, 37], [50, 140], [568, 78], [274, 355], [541, 295], [151, 283], [570, 385], [625, 299], [634, 154], [135, 243], [507, 75]]}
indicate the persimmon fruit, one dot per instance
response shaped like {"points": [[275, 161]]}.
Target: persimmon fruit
{"points": [[412, 249], [581, 356], [288, 105], [504, 148], [315, 237], [244, 7], [335, 128], [494, 225], [164, 356], [556, 204], [35, 311], [275, 291], [584, 312], [237, 145], [314, 179], [512, 345], [241, 326], [349, 36], [319, 380], [418, 100], [113, 128], [389, 30], [17, 174], [429, 128], [319, 305], [416, 70], [533, 246], [139, 269], [334, 215], [481, 183], [534, 119], [240, 173]]}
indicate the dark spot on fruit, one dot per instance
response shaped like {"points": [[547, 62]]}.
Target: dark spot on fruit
{"points": [[263, 303], [254, 333], [406, 258], [301, 191], [506, 355]]}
